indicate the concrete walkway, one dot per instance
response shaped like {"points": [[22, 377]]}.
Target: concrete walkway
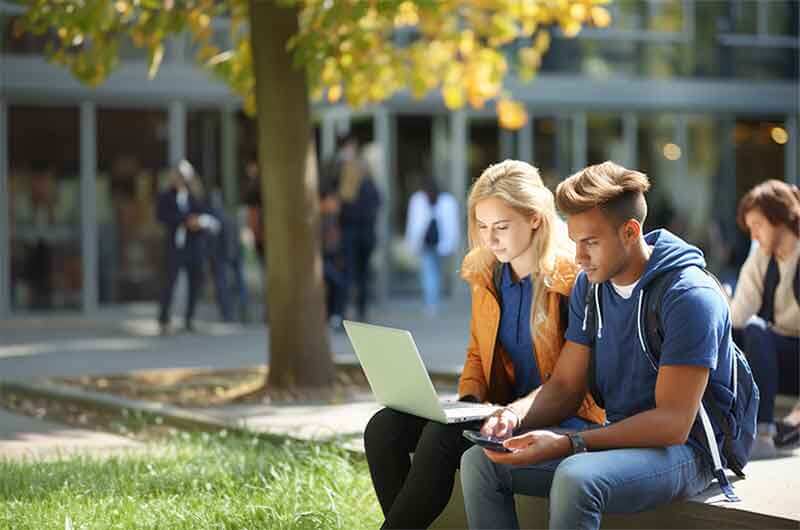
{"points": [[27, 438]]}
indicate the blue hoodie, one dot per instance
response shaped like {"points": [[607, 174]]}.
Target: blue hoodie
{"points": [[696, 323]]}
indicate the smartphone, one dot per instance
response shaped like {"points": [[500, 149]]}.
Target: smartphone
{"points": [[488, 442]]}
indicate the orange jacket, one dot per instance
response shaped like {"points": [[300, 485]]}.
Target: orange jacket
{"points": [[488, 372]]}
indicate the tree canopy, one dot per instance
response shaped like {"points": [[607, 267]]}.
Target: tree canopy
{"points": [[358, 51]]}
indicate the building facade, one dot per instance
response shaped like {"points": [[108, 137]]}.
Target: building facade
{"points": [[701, 95]]}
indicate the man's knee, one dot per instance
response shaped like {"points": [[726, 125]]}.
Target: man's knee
{"points": [[573, 481], [476, 469]]}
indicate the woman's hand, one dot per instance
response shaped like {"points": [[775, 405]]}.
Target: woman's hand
{"points": [[500, 424], [531, 448]]}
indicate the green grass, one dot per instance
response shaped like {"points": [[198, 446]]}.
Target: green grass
{"points": [[194, 481]]}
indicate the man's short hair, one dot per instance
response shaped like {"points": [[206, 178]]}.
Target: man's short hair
{"points": [[617, 191]]}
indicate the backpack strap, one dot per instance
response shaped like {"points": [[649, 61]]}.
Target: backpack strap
{"points": [[771, 280], [590, 304], [655, 339]]}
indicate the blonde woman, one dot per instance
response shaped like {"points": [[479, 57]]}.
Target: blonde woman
{"points": [[521, 272]]}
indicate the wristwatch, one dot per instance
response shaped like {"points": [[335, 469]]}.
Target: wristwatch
{"points": [[578, 443]]}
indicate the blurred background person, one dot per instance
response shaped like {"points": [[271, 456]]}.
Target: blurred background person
{"points": [[333, 261], [186, 220], [433, 232], [360, 201], [766, 305], [226, 258]]}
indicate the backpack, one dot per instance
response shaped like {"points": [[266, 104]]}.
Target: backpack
{"points": [[431, 239], [738, 423], [771, 280]]}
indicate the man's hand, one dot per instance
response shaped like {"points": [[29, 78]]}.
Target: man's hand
{"points": [[500, 424], [531, 448], [192, 222]]}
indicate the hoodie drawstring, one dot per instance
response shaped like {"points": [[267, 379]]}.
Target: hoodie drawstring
{"points": [[599, 315], [639, 321]]}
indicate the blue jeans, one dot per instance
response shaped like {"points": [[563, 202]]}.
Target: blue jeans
{"points": [[581, 487], [774, 361], [430, 274]]}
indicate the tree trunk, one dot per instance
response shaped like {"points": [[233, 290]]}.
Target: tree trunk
{"points": [[300, 354]]}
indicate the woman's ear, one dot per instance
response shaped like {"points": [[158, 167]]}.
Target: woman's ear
{"points": [[536, 220]]}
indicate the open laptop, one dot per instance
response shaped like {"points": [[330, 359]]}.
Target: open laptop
{"points": [[398, 377]]}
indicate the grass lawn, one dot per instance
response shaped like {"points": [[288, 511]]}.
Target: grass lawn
{"points": [[193, 481]]}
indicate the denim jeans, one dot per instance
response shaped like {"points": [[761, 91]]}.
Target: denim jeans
{"points": [[581, 487], [430, 274], [774, 361]]}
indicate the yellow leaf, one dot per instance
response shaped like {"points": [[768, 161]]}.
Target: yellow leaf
{"points": [[511, 114], [155, 61], [453, 96], [335, 93], [600, 17]]}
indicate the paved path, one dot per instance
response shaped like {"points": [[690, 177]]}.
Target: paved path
{"points": [[122, 339], [24, 437]]}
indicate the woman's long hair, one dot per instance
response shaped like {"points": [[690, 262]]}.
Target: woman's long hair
{"points": [[520, 186]]}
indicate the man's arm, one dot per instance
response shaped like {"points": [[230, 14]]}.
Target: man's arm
{"points": [[557, 399], [561, 396], [679, 390]]}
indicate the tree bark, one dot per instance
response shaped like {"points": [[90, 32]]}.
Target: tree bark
{"points": [[299, 348]]}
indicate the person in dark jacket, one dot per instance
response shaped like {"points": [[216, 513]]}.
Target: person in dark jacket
{"points": [[187, 221], [360, 201]]}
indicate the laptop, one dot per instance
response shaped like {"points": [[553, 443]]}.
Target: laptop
{"points": [[398, 377]]}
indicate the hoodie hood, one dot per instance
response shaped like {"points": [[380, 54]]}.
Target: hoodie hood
{"points": [[669, 252]]}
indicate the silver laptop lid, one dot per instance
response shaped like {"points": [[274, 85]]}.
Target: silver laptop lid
{"points": [[394, 369]]}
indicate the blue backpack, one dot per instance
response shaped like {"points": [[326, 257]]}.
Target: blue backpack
{"points": [[734, 406]]}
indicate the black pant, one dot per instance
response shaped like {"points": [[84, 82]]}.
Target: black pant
{"points": [[357, 246], [413, 493], [194, 271]]}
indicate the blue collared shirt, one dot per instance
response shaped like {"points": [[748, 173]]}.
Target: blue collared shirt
{"points": [[515, 331]]}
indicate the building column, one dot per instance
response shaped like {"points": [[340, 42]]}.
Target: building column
{"points": [[792, 150], [459, 184], [579, 141], [328, 136], [230, 176], [5, 217], [506, 142], [440, 149], [89, 254], [177, 132], [525, 148], [630, 135], [384, 125]]}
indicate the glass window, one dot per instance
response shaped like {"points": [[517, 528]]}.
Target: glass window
{"points": [[132, 168], [44, 203], [604, 137], [204, 144], [552, 148], [782, 17], [659, 154]]}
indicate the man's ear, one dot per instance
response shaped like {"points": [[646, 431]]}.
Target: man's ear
{"points": [[630, 230]]}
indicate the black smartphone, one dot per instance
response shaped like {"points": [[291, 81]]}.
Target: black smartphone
{"points": [[488, 442]]}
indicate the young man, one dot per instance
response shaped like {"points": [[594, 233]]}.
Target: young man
{"points": [[766, 305], [651, 449]]}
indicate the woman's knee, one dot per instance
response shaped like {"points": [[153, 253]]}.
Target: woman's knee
{"points": [[382, 429]]}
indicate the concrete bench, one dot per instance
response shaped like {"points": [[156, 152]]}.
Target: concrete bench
{"points": [[770, 499]]}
